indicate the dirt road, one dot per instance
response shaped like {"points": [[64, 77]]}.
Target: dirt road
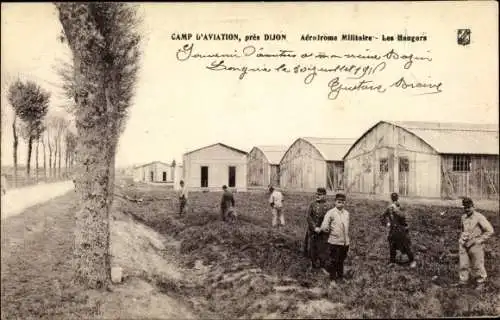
{"points": [[16, 200], [37, 270]]}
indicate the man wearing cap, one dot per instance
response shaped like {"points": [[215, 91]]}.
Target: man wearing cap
{"points": [[476, 229], [276, 202], [336, 223], [316, 246], [183, 198]]}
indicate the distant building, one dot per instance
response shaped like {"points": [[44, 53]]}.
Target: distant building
{"points": [[310, 163], [425, 159], [157, 172], [211, 167], [264, 165]]}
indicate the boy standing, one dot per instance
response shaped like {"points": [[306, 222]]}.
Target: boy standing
{"points": [[226, 203], [316, 243], [399, 238], [476, 229], [276, 202], [336, 223], [183, 197]]}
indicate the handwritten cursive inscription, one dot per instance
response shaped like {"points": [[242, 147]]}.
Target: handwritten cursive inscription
{"points": [[433, 88], [243, 70], [364, 85], [351, 72]]}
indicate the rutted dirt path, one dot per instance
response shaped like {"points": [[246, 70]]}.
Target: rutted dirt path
{"points": [[36, 270]]}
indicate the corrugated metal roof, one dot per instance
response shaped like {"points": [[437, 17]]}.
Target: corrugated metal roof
{"points": [[332, 149], [273, 153], [456, 138]]}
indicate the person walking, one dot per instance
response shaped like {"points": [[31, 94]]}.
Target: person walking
{"points": [[476, 229], [399, 237], [276, 202], [227, 203]]}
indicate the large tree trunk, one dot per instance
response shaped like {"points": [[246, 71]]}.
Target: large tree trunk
{"points": [[92, 263], [28, 161], [14, 145]]}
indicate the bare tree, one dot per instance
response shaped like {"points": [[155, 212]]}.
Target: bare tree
{"points": [[61, 125], [14, 147], [104, 43], [48, 131], [44, 157], [70, 147]]}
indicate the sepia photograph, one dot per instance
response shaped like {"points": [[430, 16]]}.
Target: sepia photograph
{"points": [[250, 160]]}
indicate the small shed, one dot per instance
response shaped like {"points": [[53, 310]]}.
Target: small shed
{"points": [[264, 165], [155, 172], [211, 167], [425, 159], [311, 162]]}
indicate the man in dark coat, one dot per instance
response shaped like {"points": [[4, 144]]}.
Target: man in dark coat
{"points": [[226, 203], [315, 246], [399, 238]]}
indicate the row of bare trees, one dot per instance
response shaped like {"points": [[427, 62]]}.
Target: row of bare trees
{"points": [[31, 122]]}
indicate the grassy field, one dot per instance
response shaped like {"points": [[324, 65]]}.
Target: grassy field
{"points": [[247, 270], [254, 271]]}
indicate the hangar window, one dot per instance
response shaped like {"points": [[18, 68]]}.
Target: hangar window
{"points": [[461, 163], [384, 165]]}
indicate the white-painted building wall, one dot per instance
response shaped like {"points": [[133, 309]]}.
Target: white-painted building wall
{"points": [[217, 159]]}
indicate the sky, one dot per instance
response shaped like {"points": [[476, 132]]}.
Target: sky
{"points": [[181, 105]]}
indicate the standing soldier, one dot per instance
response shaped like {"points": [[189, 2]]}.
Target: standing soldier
{"points": [[476, 229], [336, 223], [316, 245], [226, 203], [183, 198], [399, 238], [276, 202]]}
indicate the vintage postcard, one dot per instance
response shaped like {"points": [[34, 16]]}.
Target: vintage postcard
{"points": [[250, 160]]}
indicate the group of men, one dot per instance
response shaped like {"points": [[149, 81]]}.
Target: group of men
{"points": [[227, 204], [327, 236], [328, 232]]}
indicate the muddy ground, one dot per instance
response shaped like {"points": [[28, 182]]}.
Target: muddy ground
{"points": [[249, 270], [199, 267]]}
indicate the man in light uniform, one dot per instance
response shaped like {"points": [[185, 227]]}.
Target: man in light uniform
{"points": [[276, 202], [336, 223], [183, 198], [476, 229]]}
